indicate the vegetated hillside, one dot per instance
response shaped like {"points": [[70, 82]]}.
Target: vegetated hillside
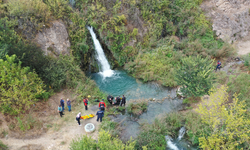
{"points": [[149, 37]]}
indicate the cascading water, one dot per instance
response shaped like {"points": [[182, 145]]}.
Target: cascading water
{"points": [[170, 144], [105, 70], [181, 132]]}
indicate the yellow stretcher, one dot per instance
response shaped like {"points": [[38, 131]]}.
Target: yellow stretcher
{"points": [[87, 116]]}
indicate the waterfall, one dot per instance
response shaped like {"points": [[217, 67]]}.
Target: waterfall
{"points": [[181, 132], [72, 3], [104, 64], [170, 144]]}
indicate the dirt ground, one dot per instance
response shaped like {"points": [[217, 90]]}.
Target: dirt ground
{"points": [[60, 131], [243, 46]]}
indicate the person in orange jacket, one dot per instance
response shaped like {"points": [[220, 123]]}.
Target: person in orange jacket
{"points": [[102, 105]]}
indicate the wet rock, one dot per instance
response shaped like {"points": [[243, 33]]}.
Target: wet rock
{"points": [[54, 40]]}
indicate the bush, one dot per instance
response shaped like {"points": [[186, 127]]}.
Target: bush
{"points": [[18, 85], [241, 86], [195, 76], [3, 147], [105, 142], [35, 11], [227, 122], [138, 108], [153, 135]]}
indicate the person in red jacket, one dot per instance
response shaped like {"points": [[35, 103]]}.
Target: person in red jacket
{"points": [[85, 101], [102, 105]]}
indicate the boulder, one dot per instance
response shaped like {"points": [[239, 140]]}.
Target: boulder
{"points": [[54, 40]]}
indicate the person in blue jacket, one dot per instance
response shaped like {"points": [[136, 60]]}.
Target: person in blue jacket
{"points": [[99, 115], [62, 103]]}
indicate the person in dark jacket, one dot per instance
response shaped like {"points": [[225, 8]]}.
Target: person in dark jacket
{"points": [[99, 115], [123, 100], [78, 117], [117, 101], [110, 99], [69, 104], [218, 65], [62, 103]]}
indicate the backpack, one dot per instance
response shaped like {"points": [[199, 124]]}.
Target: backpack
{"points": [[101, 105]]}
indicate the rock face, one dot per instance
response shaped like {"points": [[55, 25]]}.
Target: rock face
{"points": [[230, 18], [54, 40]]}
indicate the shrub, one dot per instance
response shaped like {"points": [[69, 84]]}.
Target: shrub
{"points": [[138, 108], [105, 142], [3, 146], [153, 135], [229, 128], [18, 85], [34, 10], [195, 76], [241, 86]]}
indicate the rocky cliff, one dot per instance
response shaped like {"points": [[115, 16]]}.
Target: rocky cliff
{"points": [[230, 18], [54, 40]]}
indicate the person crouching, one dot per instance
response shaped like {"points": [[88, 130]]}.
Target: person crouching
{"points": [[78, 117]]}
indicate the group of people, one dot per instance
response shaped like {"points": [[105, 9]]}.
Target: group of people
{"points": [[117, 101], [61, 106], [100, 113]]}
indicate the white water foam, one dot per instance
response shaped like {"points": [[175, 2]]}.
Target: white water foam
{"points": [[170, 144], [181, 133], [105, 70]]}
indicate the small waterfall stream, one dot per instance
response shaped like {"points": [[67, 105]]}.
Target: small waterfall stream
{"points": [[104, 69], [181, 132]]}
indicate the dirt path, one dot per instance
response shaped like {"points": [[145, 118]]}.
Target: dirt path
{"points": [[60, 133]]}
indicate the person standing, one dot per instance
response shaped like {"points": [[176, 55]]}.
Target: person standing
{"points": [[62, 103], [78, 117], [60, 110], [99, 114], [123, 100], [102, 105], [218, 65], [85, 101], [69, 104]]}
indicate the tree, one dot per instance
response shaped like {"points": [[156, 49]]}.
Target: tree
{"points": [[18, 86], [195, 76], [227, 121]]}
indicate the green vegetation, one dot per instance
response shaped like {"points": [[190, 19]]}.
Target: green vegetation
{"points": [[105, 142], [241, 86], [19, 87], [195, 76], [155, 40], [138, 108], [2, 146], [229, 128], [153, 135]]}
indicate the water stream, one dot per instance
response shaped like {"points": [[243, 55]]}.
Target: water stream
{"points": [[118, 83]]}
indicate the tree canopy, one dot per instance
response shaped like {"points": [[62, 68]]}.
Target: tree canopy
{"points": [[227, 121], [194, 75], [19, 87]]}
